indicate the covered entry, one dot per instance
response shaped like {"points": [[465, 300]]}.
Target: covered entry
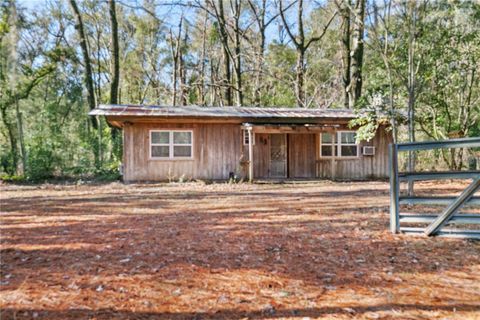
{"points": [[283, 151]]}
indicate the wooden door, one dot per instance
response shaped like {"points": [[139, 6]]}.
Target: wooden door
{"points": [[301, 159], [278, 155]]}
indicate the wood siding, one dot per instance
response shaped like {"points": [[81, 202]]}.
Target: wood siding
{"points": [[216, 153], [261, 155], [301, 155], [218, 150], [363, 167]]}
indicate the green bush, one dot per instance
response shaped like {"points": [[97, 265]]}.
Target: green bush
{"points": [[12, 178], [108, 172], [41, 160]]}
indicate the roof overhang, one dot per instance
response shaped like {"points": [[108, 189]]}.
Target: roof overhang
{"points": [[119, 115], [290, 127]]}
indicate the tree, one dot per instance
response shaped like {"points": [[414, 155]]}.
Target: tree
{"points": [[259, 12], [86, 60], [301, 44], [115, 83], [344, 8], [356, 79], [352, 41], [15, 86], [450, 102], [221, 25]]}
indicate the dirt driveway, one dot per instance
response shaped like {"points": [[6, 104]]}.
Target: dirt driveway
{"points": [[219, 251]]}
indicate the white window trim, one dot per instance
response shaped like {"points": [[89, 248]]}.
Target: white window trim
{"points": [[171, 145], [245, 134], [339, 145], [326, 144]]}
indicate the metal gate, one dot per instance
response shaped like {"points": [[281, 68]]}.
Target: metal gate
{"points": [[450, 215]]}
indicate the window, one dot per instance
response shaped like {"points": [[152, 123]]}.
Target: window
{"points": [[245, 137], [327, 149], [171, 144], [344, 146]]}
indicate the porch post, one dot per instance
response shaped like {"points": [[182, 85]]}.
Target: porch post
{"points": [[333, 165], [250, 154]]}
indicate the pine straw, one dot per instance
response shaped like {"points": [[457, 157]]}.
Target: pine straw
{"points": [[194, 251]]}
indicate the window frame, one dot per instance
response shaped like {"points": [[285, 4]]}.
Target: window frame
{"points": [[170, 144], [245, 135], [331, 144], [338, 146]]}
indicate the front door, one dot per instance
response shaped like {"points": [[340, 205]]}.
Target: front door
{"points": [[301, 159], [278, 155]]}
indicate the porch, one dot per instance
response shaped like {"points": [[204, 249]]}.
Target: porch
{"points": [[289, 151]]}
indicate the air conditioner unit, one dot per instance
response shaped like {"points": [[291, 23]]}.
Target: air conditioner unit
{"points": [[368, 151]]}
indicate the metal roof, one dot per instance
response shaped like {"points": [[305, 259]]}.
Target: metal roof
{"points": [[220, 112]]}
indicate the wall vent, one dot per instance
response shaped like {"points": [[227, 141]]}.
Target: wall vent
{"points": [[368, 151]]}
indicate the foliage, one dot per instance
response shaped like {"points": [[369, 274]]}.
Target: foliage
{"points": [[372, 112]]}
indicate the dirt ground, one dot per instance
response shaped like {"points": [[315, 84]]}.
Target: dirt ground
{"points": [[220, 251]]}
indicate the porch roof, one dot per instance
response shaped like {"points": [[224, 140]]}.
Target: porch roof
{"points": [[289, 127]]}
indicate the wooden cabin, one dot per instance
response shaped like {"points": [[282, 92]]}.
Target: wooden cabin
{"points": [[217, 143]]}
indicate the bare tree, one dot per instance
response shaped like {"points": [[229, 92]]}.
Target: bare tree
{"points": [[182, 69], [219, 14], [236, 6], [301, 45], [175, 50], [260, 15]]}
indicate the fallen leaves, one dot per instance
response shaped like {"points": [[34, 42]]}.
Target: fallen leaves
{"points": [[216, 251]]}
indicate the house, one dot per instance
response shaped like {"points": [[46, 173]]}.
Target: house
{"points": [[165, 142]]}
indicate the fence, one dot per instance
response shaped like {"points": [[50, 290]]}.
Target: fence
{"points": [[451, 214]]}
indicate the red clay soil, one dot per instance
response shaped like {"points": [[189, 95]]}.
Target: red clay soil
{"points": [[220, 251]]}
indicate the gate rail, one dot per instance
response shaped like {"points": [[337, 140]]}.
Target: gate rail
{"points": [[450, 215]]}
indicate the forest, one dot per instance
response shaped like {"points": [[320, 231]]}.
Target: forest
{"points": [[414, 64]]}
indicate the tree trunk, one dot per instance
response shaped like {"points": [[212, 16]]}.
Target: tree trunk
{"points": [[300, 75], [175, 48], [260, 54], [227, 83], [88, 67], [183, 71], [259, 71], [12, 80], [411, 88], [13, 141], [115, 54], [174, 73], [357, 52], [300, 58], [236, 6], [201, 86], [115, 133], [23, 152], [346, 58]]}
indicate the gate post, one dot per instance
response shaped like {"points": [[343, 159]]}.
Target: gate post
{"points": [[394, 188]]}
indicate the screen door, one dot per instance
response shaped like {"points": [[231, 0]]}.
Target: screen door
{"points": [[278, 155]]}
